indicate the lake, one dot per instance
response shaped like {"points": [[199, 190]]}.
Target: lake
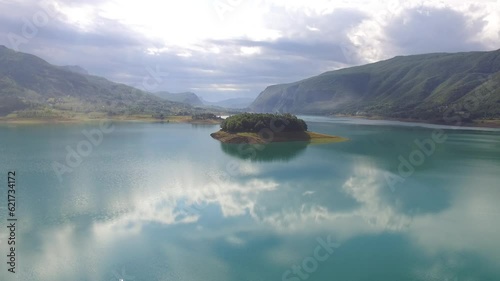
{"points": [[144, 201]]}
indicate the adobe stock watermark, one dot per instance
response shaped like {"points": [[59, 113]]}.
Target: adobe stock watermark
{"points": [[77, 154], [153, 79], [121, 276], [251, 150], [31, 26], [455, 114], [222, 7], [213, 192], [310, 264], [349, 53], [233, 168], [416, 158]]}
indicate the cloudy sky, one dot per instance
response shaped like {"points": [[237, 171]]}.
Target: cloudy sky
{"points": [[236, 48]]}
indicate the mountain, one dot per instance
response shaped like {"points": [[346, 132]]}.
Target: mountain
{"points": [[76, 69], [429, 87], [234, 103], [194, 100], [33, 86], [187, 98]]}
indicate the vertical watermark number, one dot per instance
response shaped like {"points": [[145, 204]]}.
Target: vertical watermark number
{"points": [[11, 220]]}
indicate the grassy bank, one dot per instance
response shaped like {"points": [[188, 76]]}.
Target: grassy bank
{"points": [[254, 138], [483, 123], [90, 118]]}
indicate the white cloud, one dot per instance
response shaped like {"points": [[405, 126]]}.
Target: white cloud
{"points": [[249, 51], [255, 43]]}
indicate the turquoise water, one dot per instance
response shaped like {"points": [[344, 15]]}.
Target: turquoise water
{"points": [[167, 202]]}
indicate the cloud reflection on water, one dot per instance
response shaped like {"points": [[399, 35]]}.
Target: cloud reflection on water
{"points": [[258, 207]]}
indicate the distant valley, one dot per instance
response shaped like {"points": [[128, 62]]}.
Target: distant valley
{"points": [[235, 103], [439, 88], [194, 100]]}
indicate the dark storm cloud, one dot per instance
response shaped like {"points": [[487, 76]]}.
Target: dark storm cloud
{"points": [[28, 23], [106, 34], [330, 51], [318, 36], [107, 49], [426, 29]]}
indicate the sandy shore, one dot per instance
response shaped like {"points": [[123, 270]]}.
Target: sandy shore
{"points": [[478, 123], [147, 119], [254, 138]]}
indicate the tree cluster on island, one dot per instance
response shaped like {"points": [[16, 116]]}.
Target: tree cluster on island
{"points": [[254, 123], [206, 116]]}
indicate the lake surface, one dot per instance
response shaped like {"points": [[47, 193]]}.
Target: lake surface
{"points": [[167, 202]]}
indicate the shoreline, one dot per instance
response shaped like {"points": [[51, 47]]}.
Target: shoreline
{"points": [[487, 124], [168, 119], [254, 138]]}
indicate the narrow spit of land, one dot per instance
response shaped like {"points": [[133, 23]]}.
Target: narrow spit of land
{"points": [[254, 138]]}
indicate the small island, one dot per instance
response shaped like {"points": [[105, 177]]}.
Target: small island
{"points": [[253, 128]]}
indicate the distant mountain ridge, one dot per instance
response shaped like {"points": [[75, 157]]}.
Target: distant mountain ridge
{"points": [[426, 87], [76, 69], [186, 97], [29, 83]]}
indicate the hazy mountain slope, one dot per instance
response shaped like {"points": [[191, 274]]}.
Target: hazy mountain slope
{"points": [[235, 103], [30, 83], [75, 69], [421, 86], [187, 98]]}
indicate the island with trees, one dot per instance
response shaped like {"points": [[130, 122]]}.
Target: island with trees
{"points": [[256, 128]]}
